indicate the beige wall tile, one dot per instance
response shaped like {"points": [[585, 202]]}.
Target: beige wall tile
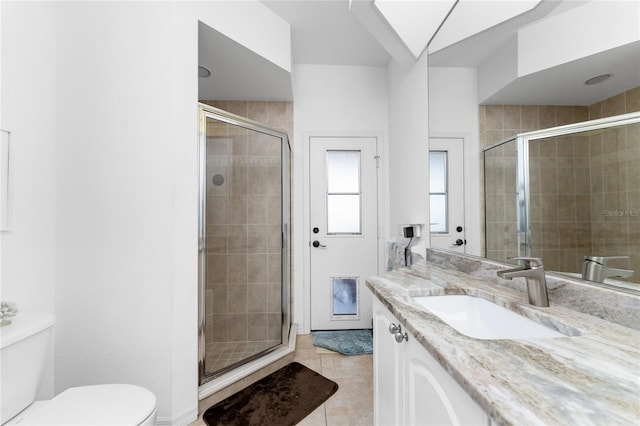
{"points": [[217, 268], [218, 300], [511, 118], [237, 108], [257, 239], [614, 106], [274, 326], [237, 299], [274, 268], [217, 209], [595, 111], [274, 298], [529, 117], [257, 180], [564, 115], [257, 111], [257, 298], [633, 100], [277, 114], [257, 326], [257, 267], [257, 209], [216, 244], [237, 239], [237, 209], [237, 269], [546, 117], [237, 327], [494, 118]]}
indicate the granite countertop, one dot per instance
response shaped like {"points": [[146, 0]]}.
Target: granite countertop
{"points": [[591, 377]]}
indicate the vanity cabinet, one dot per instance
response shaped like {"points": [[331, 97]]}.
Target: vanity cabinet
{"points": [[410, 386]]}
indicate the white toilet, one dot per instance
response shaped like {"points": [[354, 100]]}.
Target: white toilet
{"points": [[23, 350]]}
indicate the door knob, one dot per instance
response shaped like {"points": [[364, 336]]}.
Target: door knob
{"points": [[317, 244], [459, 242]]}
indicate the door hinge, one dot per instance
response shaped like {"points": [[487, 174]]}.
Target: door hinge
{"points": [[377, 157]]}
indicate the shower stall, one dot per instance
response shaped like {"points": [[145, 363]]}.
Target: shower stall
{"points": [[244, 251]]}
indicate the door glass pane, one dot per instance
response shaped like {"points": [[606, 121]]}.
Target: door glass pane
{"points": [[438, 197], [437, 171], [343, 171], [343, 214], [438, 207], [344, 296], [343, 192]]}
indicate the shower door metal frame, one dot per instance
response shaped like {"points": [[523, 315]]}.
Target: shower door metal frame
{"points": [[206, 111]]}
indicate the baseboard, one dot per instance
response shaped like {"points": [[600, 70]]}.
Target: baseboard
{"points": [[189, 416]]}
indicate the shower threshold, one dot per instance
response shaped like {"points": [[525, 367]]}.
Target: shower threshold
{"points": [[240, 372]]}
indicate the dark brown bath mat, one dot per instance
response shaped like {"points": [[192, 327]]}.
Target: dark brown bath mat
{"points": [[284, 397]]}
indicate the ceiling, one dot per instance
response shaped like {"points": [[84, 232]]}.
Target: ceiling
{"points": [[329, 32]]}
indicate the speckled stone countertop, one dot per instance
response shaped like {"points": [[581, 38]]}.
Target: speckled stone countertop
{"points": [[591, 377]]}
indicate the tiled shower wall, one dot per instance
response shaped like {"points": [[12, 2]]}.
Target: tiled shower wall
{"points": [[243, 291], [579, 184]]}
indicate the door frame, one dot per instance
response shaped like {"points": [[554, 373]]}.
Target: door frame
{"points": [[382, 207], [474, 208], [464, 184]]}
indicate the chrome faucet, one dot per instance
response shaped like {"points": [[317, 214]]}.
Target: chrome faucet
{"points": [[533, 272], [595, 268]]}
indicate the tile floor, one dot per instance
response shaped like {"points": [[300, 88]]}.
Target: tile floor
{"points": [[352, 404]]}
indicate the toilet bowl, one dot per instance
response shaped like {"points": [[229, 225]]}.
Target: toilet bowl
{"points": [[23, 348]]}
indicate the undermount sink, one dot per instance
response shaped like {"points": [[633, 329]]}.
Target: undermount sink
{"points": [[478, 318]]}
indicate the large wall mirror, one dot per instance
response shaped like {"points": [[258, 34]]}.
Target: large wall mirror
{"points": [[570, 195], [563, 193]]}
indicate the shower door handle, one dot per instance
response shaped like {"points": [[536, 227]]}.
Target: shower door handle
{"points": [[317, 244]]}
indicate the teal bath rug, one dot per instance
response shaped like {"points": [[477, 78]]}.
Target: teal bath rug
{"points": [[347, 342]]}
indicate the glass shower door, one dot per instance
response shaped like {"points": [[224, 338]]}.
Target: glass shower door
{"points": [[243, 242]]}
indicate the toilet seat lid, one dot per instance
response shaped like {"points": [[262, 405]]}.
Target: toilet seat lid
{"points": [[99, 405]]}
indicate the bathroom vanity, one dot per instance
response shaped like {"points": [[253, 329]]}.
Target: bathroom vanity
{"points": [[427, 372]]}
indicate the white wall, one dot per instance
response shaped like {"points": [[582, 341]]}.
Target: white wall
{"points": [[102, 100], [592, 28], [28, 101], [334, 101], [453, 112], [408, 149]]}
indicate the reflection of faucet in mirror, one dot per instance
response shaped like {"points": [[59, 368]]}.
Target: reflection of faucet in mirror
{"points": [[533, 272], [595, 268]]}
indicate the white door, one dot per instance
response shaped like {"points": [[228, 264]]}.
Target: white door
{"points": [[343, 230], [446, 193]]}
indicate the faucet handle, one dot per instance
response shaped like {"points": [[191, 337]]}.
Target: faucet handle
{"points": [[603, 259], [529, 261]]}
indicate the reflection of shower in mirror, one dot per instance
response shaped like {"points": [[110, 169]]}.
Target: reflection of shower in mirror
{"points": [[565, 194]]}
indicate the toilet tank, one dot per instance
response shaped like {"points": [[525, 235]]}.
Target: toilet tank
{"points": [[23, 350]]}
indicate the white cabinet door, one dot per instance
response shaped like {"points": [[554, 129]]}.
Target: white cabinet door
{"points": [[411, 387], [433, 397], [387, 369]]}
